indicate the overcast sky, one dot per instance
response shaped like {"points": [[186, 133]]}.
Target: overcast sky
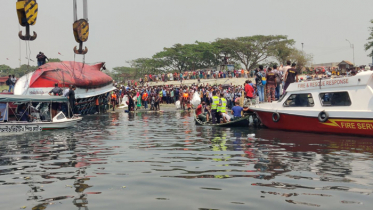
{"points": [[122, 30]]}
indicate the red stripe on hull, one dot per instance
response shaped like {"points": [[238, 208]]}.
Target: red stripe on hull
{"points": [[312, 124]]}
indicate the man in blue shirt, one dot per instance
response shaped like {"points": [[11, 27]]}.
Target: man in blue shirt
{"points": [[236, 110], [25, 116]]}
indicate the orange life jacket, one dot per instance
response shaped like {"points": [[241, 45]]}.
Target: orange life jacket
{"points": [[186, 95]]}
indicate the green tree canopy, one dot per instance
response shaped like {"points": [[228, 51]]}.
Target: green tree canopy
{"points": [[252, 50], [54, 60], [18, 72]]}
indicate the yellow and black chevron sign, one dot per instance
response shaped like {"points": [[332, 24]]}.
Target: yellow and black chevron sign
{"points": [[31, 10]]}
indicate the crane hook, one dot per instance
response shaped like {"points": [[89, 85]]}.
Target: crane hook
{"points": [[81, 28], [80, 50], [27, 11], [27, 37]]}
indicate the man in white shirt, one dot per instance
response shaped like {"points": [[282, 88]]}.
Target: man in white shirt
{"points": [[284, 69], [66, 91], [13, 79]]}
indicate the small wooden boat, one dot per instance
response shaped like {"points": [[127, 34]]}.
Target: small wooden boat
{"points": [[240, 122]]}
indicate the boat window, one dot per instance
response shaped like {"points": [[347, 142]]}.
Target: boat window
{"points": [[299, 100], [282, 97], [60, 116], [335, 99]]}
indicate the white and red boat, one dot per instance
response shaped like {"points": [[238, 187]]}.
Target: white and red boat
{"points": [[339, 105], [89, 80]]}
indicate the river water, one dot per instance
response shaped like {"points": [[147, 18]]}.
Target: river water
{"points": [[165, 161]]}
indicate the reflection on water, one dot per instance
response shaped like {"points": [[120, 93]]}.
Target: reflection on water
{"points": [[163, 161]]}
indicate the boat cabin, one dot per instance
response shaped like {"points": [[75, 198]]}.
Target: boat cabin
{"points": [[348, 97], [31, 108]]}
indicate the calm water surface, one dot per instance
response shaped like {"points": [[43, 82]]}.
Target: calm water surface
{"points": [[164, 161]]}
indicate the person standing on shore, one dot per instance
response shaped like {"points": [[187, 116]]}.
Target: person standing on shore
{"points": [[291, 76], [145, 99], [278, 75], [271, 85], [259, 75], [10, 84], [249, 90], [113, 99], [284, 69]]}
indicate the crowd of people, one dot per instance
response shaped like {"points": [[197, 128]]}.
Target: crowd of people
{"points": [[198, 74], [215, 99]]}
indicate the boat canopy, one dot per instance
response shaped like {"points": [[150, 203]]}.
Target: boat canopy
{"points": [[31, 98]]}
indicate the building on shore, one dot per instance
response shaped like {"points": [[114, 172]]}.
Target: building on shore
{"points": [[344, 66]]}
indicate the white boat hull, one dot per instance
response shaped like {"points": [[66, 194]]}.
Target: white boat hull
{"points": [[20, 127]]}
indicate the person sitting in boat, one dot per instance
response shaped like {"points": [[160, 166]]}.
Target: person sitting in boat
{"points": [[23, 113], [201, 112], [237, 110], [222, 107]]}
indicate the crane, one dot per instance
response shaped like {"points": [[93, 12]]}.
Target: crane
{"points": [[81, 28], [27, 11]]}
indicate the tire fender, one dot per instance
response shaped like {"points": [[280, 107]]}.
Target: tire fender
{"points": [[323, 116], [276, 117]]}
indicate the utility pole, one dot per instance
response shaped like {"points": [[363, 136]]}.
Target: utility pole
{"points": [[353, 50], [302, 47]]}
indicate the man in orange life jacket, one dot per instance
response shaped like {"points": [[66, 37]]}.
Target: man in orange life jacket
{"points": [[185, 98], [145, 99], [113, 99]]}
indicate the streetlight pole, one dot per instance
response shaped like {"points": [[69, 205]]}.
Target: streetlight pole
{"points": [[302, 46], [353, 50]]}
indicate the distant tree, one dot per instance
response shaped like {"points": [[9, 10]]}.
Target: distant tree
{"points": [[252, 50], [54, 60], [300, 58], [24, 69], [5, 70], [282, 51], [18, 72], [369, 45]]}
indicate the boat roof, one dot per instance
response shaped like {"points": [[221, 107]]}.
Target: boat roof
{"points": [[360, 79], [33, 98]]}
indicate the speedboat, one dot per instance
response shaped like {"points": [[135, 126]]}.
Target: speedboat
{"points": [[38, 110], [341, 105]]}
